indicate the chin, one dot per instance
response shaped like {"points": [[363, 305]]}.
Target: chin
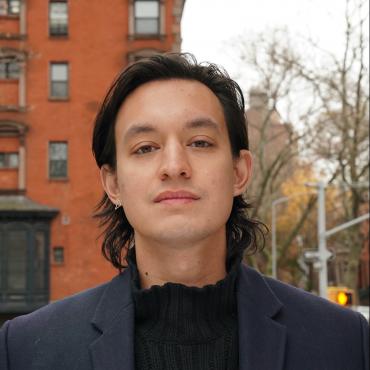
{"points": [[183, 234]]}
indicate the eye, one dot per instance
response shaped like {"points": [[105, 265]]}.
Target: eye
{"points": [[145, 149], [201, 144]]}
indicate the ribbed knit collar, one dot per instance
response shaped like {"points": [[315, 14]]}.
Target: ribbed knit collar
{"points": [[178, 313]]}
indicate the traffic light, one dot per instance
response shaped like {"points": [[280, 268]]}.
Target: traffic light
{"points": [[341, 295], [344, 298]]}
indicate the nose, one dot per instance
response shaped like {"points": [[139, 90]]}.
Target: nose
{"points": [[174, 162]]}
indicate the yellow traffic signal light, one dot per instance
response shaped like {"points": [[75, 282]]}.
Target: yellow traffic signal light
{"points": [[344, 298], [341, 295]]}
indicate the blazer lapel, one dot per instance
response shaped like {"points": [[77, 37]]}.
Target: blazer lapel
{"points": [[114, 318], [261, 338]]}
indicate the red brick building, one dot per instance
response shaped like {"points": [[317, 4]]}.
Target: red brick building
{"points": [[57, 60], [272, 145]]}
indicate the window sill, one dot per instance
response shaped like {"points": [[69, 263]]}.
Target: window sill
{"points": [[55, 99], [12, 36], [9, 80], [148, 36], [58, 37], [12, 191], [12, 108], [57, 264], [9, 16], [61, 179]]}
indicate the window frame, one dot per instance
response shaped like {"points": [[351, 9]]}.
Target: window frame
{"points": [[57, 178], [7, 161], [158, 19], [7, 73], [8, 12], [51, 81], [58, 254], [55, 34]]}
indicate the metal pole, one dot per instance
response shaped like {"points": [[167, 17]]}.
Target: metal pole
{"points": [[321, 229], [347, 224]]}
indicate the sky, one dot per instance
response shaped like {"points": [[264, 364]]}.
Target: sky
{"points": [[209, 27]]}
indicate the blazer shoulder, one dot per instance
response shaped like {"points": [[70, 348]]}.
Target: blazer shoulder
{"points": [[331, 328], [63, 316], [61, 329], [299, 299], [77, 305], [305, 309], [333, 336], [296, 306], [58, 336]]}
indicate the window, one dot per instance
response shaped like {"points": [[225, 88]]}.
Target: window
{"points": [[59, 80], [8, 160], [58, 18], [146, 17], [16, 242], [58, 255], [58, 155], [10, 7], [9, 70]]}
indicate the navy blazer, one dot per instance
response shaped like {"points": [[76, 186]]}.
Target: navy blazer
{"points": [[280, 328]]}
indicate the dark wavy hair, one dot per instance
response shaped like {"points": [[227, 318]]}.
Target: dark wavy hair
{"points": [[242, 232]]}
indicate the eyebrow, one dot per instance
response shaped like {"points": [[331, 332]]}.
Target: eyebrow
{"points": [[139, 128], [144, 128], [202, 123]]}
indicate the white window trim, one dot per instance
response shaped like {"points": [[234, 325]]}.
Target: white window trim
{"points": [[162, 22], [49, 160], [68, 21], [62, 98]]}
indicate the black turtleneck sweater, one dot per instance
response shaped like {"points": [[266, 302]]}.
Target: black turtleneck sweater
{"points": [[188, 328]]}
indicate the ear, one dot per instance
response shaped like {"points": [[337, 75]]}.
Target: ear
{"points": [[242, 171], [109, 181]]}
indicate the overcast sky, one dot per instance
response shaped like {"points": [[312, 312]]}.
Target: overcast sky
{"points": [[208, 26]]}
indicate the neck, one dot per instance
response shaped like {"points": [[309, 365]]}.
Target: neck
{"points": [[195, 264]]}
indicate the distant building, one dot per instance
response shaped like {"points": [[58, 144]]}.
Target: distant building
{"points": [[267, 130], [272, 143], [57, 59]]}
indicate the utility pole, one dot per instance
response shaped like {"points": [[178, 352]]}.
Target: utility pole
{"points": [[321, 256]]}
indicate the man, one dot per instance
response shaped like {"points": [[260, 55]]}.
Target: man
{"points": [[172, 145]]}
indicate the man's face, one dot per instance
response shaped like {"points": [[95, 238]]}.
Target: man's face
{"points": [[175, 174]]}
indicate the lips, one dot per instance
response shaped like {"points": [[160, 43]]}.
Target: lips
{"points": [[180, 196]]}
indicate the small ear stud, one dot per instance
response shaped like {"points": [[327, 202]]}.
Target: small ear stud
{"points": [[117, 205]]}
